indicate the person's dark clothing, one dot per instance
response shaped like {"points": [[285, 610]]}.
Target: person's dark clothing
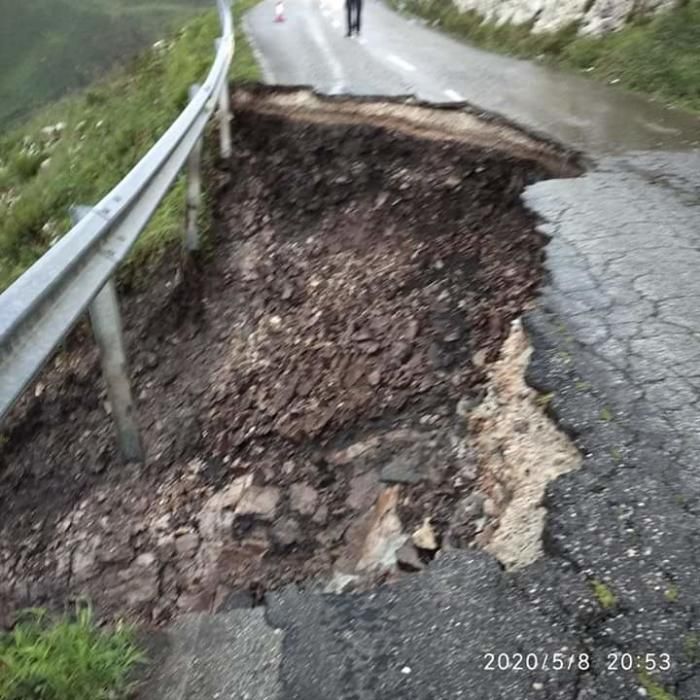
{"points": [[354, 8]]}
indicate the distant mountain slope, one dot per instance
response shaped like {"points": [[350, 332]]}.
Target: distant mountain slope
{"points": [[48, 47]]}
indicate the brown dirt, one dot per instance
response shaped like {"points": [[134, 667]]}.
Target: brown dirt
{"points": [[360, 278]]}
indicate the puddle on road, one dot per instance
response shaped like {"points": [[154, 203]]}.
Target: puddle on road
{"points": [[306, 398]]}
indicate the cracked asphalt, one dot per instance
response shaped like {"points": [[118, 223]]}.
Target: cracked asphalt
{"points": [[616, 338]]}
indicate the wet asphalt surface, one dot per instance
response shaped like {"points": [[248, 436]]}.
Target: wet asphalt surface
{"points": [[617, 343]]}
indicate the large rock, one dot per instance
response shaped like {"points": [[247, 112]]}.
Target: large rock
{"points": [[138, 584], [216, 517], [259, 501], [303, 499], [84, 562]]}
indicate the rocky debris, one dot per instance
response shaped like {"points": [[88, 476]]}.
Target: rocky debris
{"points": [[424, 537], [286, 532], [321, 515], [303, 499], [84, 563], [116, 550], [593, 17], [468, 510], [404, 469], [351, 453], [383, 534], [363, 491], [408, 558], [231, 495], [259, 501], [216, 516], [187, 544], [341, 583], [138, 584], [324, 353]]}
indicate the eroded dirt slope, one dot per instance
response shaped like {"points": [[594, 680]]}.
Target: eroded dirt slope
{"points": [[313, 372]]}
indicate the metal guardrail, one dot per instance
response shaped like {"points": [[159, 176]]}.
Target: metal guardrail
{"points": [[46, 302]]}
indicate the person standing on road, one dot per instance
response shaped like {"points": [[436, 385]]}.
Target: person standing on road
{"points": [[354, 8]]}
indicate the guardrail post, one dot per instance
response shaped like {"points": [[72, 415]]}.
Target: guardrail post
{"points": [[224, 116], [194, 190], [107, 327]]}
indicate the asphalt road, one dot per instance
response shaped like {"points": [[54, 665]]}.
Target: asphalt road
{"points": [[396, 55], [617, 341]]}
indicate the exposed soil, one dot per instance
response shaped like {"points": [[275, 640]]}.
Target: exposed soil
{"points": [[308, 381], [520, 451]]}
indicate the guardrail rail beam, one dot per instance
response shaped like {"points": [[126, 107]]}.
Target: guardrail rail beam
{"points": [[194, 189], [77, 274], [224, 118]]}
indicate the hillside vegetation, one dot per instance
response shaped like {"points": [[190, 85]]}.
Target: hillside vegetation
{"points": [[50, 46], [659, 56], [76, 150]]}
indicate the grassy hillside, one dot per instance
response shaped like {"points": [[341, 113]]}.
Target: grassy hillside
{"points": [[50, 46], [98, 136], [658, 56]]}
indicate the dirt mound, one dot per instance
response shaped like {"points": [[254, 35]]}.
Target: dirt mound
{"points": [[310, 382]]}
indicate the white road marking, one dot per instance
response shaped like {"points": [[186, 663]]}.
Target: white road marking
{"points": [[398, 61], [453, 95], [268, 75], [331, 61], [336, 24]]}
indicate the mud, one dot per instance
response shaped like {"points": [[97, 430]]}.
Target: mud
{"points": [[310, 376]]}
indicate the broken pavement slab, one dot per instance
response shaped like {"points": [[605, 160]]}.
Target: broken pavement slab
{"points": [[427, 636]]}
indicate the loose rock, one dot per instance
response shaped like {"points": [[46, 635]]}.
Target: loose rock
{"points": [[186, 545], [404, 469], [286, 532], [259, 501], [424, 537], [303, 498], [407, 557]]}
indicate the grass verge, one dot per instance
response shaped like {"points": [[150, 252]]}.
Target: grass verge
{"points": [[67, 659], [658, 56], [76, 150], [48, 47]]}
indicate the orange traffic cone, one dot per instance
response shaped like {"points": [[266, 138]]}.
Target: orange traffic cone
{"points": [[279, 11]]}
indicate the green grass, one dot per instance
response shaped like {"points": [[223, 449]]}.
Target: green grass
{"points": [[659, 56], [50, 46], [543, 400], [691, 648], [67, 659], [107, 128], [655, 691], [605, 414], [671, 593], [604, 595]]}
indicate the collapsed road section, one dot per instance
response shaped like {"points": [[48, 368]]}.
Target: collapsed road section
{"points": [[313, 391]]}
